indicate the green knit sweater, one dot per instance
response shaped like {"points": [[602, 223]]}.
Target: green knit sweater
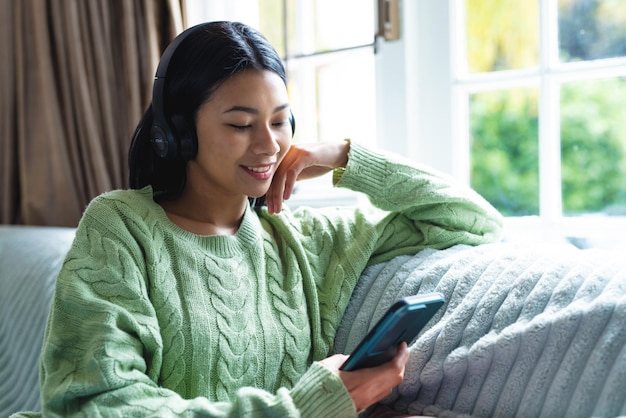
{"points": [[151, 320]]}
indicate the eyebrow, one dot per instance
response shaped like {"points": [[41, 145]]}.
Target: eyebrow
{"points": [[253, 110]]}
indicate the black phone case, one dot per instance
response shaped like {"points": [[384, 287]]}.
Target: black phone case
{"points": [[403, 321]]}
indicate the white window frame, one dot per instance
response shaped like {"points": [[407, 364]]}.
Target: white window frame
{"points": [[424, 94]]}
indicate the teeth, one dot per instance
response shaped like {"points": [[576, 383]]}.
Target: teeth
{"points": [[259, 169]]}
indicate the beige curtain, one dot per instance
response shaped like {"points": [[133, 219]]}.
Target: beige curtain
{"points": [[75, 78]]}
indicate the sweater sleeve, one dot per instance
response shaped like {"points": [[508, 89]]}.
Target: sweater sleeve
{"points": [[423, 208], [103, 344]]}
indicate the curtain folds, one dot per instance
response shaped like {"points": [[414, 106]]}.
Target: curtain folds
{"points": [[76, 76]]}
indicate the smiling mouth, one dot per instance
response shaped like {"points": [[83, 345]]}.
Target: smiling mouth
{"points": [[260, 172], [262, 169]]}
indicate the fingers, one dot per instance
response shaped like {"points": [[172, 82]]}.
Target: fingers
{"points": [[274, 196], [284, 179], [283, 183], [371, 385], [334, 362], [402, 356]]}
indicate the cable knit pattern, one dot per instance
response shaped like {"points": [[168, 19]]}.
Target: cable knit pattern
{"points": [[526, 331], [151, 320]]}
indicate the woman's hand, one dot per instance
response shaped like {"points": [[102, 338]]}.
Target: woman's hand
{"points": [[304, 162], [370, 385]]}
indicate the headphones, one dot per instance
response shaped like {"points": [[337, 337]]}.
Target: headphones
{"points": [[175, 137]]}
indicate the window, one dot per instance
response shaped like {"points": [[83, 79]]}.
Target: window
{"points": [[541, 89]]}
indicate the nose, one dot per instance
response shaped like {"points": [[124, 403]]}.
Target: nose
{"points": [[266, 142]]}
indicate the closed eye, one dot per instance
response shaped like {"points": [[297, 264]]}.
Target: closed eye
{"points": [[240, 127]]}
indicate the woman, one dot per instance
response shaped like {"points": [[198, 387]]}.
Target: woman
{"points": [[188, 296]]}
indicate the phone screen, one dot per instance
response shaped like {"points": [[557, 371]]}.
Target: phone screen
{"points": [[402, 322]]}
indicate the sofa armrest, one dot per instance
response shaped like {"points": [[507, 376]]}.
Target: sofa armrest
{"points": [[30, 258]]}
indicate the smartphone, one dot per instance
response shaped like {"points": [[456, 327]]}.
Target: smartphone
{"points": [[402, 322]]}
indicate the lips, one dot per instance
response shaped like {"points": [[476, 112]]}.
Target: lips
{"points": [[260, 169], [260, 172]]}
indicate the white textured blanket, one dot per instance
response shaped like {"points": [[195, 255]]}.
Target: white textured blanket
{"points": [[526, 331]]}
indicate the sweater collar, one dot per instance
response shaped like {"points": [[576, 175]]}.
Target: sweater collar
{"points": [[247, 236]]}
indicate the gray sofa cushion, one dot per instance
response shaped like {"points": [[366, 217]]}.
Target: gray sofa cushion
{"points": [[30, 258]]}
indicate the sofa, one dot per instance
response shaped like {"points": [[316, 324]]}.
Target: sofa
{"points": [[30, 258], [526, 330]]}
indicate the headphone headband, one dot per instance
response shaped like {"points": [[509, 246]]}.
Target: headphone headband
{"points": [[178, 141]]}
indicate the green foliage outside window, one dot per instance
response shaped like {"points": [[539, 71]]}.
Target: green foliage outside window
{"points": [[593, 147], [504, 163], [504, 123]]}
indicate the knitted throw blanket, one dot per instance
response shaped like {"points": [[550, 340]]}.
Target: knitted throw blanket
{"points": [[526, 330]]}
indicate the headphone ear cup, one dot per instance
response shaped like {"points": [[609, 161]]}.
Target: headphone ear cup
{"points": [[163, 141], [185, 132]]}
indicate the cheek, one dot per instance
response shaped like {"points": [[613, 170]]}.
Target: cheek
{"points": [[214, 143]]}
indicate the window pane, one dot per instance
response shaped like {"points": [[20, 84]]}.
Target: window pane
{"points": [[325, 25], [342, 24], [593, 147], [346, 99], [502, 34], [592, 29], [272, 23], [332, 101], [504, 156]]}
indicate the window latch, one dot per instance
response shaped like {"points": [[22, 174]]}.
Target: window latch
{"points": [[389, 19]]}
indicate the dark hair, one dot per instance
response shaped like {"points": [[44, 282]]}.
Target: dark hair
{"points": [[208, 56]]}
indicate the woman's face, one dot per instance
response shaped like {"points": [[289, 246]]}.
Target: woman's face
{"points": [[243, 134]]}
